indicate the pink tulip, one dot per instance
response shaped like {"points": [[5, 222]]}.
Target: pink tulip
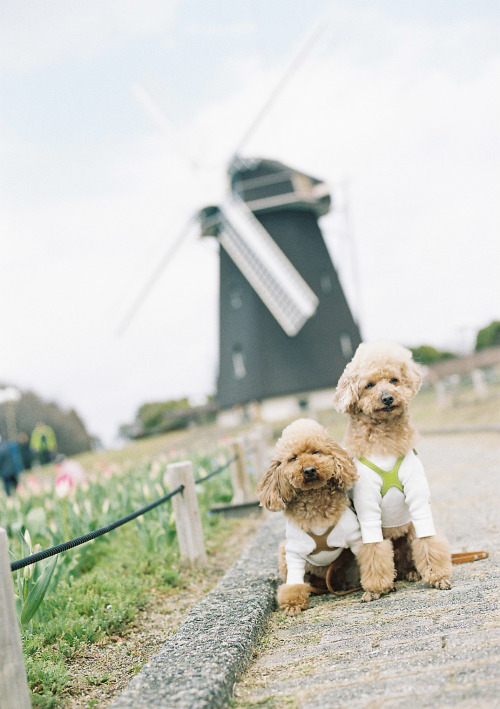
{"points": [[65, 484]]}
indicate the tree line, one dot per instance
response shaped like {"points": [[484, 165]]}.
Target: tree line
{"points": [[21, 416]]}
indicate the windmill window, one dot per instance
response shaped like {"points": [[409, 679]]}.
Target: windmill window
{"points": [[238, 363], [325, 282], [346, 345], [235, 298]]}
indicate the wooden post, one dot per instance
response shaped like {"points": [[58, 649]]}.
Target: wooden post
{"points": [[242, 491], [260, 452], [479, 383], [442, 395], [187, 514], [14, 692]]}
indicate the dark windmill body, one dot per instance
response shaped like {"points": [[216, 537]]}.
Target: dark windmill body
{"points": [[285, 326]]}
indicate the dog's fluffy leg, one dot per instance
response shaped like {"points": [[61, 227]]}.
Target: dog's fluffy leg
{"points": [[293, 597], [433, 560], [376, 564], [282, 568]]}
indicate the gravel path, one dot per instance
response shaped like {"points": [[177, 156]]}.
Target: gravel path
{"points": [[418, 647]]}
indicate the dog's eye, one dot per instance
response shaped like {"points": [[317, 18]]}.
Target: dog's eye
{"points": [[394, 380], [317, 452], [294, 457], [370, 385]]}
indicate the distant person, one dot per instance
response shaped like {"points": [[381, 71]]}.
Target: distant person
{"points": [[25, 450], [12, 463], [43, 444]]}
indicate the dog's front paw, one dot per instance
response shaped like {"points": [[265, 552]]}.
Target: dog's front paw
{"points": [[375, 595], [369, 596], [293, 598], [433, 560]]}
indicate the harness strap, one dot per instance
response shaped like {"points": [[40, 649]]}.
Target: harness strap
{"points": [[320, 541], [389, 477]]}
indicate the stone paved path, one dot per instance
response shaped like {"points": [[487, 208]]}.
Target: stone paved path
{"points": [[418, 647]]}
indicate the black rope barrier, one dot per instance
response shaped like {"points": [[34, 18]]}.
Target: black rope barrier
{"points": [[46, 553], [217, 471], [65, 546]]}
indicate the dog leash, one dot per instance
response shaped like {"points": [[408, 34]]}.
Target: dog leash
{"points": [[463, 557], [321, 585]]}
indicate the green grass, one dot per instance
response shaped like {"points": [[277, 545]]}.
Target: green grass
{"points": [[95, 605], [463, 410], [97, 588], [103, 602]]}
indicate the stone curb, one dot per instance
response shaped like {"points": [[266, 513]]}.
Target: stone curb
{"points": [[198, 666]]}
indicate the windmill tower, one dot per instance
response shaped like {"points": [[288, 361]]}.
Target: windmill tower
{"points": [[285, 326]]}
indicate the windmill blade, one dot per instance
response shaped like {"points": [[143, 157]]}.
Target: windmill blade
{"points": [[296, 61], [148, 286], [279, 285], [159, 117]]}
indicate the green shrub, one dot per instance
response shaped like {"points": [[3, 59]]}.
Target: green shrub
{"points": [[489, 336], [426, 354]]}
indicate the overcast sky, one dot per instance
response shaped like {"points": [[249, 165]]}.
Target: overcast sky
{"points": [[117, 118]]}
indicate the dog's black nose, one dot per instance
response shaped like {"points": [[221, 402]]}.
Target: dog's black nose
{"points": [[387, 399], [310, 472]]}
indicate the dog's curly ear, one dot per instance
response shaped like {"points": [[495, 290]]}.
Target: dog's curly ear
{"points": [[268, 489], [274, 490], [413, 375], [344, 469], [346, 394]]}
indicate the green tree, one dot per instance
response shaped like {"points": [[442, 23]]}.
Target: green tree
{"points": [[489, 336], [426, 354], [71, 434], [162, 415]]}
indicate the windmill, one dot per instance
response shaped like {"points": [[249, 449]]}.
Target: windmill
{"points": [[285, 326]]}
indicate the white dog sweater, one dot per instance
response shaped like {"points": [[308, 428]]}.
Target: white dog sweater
{"points": [[392, 496], [320, 546]]}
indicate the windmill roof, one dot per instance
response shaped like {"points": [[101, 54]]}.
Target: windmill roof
{"points": [[267, 185]]}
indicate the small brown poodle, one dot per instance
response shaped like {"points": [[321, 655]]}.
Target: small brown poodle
{"points": [[391, 495], [308, 479]]}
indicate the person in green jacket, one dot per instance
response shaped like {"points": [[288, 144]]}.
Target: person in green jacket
{"points": [[43, 443]]}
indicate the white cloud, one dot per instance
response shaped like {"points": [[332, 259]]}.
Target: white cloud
{"points": [[39, 34], [237, 29]]}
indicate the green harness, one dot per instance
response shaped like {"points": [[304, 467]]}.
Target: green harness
{"points": [[389, 477]]}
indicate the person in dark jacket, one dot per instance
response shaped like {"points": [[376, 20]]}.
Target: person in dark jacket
{"points": [[12, 463], [25, 450]]}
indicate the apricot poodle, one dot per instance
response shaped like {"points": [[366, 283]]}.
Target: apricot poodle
{"points": [[308, 479], [391, 495]]}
